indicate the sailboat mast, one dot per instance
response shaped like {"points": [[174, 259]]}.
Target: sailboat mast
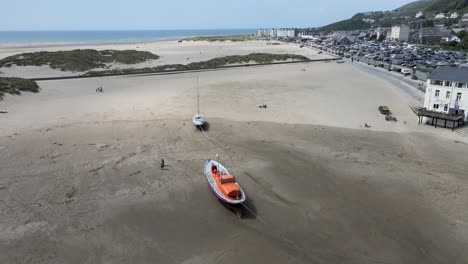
{"points": [[198, 99]]}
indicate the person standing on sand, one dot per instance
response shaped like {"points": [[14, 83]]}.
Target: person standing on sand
{"points": [[162, 163]]}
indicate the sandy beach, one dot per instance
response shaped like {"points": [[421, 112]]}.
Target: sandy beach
{"points": [[171, 52], [80, 180]]}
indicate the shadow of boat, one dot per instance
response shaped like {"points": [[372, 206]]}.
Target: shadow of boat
{"points": [[205, 127], [246, 210]]}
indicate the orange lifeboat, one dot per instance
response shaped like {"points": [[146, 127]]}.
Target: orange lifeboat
{"points": [[223, 184]]}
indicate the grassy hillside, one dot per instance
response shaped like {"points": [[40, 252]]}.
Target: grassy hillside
{"points": [[412, 8], [353, 23], [16, 86], [449, 5], [78, 60], [399, 15]]}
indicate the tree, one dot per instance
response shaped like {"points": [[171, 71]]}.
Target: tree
{"points": [[428, 23], [462, 34], [382, 38]]}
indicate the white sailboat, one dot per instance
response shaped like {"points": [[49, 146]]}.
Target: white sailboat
{"points": [[198, 119]]}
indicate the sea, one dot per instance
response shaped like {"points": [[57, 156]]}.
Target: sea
{"points": [[108, 36]]}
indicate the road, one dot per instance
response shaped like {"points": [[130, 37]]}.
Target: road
{"points": [[403, 82]]}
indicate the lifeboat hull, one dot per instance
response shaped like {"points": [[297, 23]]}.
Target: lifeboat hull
{"points": [[231, 203]]}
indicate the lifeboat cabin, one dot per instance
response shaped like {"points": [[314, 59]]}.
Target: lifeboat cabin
{"points": [[226, 184]]}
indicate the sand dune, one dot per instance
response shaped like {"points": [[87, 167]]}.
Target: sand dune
{"points": [[171, 52]]}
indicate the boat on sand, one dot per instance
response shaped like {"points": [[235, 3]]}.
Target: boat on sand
{"points": [[224, 186], [198, 119]]}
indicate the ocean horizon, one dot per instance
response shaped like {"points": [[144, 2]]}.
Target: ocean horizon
{"points": [[107, 36]]}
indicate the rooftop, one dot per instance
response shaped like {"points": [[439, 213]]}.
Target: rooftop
{"points": [[447, 73], [436, 32]]}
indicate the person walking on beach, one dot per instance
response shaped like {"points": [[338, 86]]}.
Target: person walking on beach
{"points": [[162, 163]]}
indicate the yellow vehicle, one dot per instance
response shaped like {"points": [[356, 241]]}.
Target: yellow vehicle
{"points": [[384, 110]]}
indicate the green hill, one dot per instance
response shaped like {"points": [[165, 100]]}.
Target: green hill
{"points": [[400, 15], [413, 8], [353, 23], [449, 5]]}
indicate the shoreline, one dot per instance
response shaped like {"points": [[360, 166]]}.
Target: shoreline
{"points": [[103, 43]]}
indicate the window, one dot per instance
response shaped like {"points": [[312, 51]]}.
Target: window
{"points": [[436, 82], [458, 96], [445, 107], [437, 93], [436, 106], [448, 83], [447, 96], [460, 85]]}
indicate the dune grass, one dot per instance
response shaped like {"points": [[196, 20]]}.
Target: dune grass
{"points": [[16, 86], [78, 60], [253, 58]]}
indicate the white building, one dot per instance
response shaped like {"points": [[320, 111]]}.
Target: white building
{"points": [[286, 33], [440, 16], [282, 33], [419, 14], [400, 33], [291, 33], [464, 21], [452, 38], [447, 91], [454, 15], [263, 33], [273, 33], [368, 20]]}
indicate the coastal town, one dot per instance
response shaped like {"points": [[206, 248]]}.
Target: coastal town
{"points": [[429, 49]]}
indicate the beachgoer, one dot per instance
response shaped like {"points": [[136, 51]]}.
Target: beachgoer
{"points": [[162, 163]]}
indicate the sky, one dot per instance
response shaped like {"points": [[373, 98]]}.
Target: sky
{"points": [[180, 14]]}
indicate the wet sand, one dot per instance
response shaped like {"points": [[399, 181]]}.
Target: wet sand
{"points": [[93, 192], [80, 180]]}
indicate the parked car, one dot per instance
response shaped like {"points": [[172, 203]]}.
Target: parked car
{"points": [[406, 72]]}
